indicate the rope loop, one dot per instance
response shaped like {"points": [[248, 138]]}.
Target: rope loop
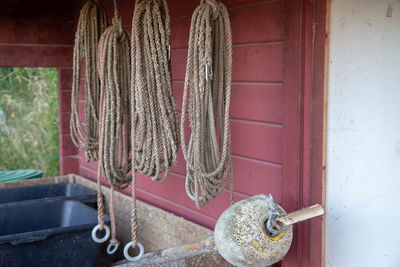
{"points": [[154, 116], [114, 117], [215, 8], [206, 96], [117, 22], [155, 134], [92, 23]]}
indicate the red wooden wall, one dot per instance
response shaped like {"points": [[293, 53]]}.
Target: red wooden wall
{"points": [[276, 104], [256, 107]]}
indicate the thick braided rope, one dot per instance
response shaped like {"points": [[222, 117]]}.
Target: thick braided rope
{"points": [[154, 118], [92, 23], [114, 122], [208, 76]]}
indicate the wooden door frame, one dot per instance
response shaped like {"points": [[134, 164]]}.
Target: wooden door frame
{"points": [[304, 123]]}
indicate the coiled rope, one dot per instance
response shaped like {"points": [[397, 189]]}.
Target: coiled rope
{"points": [[92, 23], [155, 131], [208, 75], [114, 122]]}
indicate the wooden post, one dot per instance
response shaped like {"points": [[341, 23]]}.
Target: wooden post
{"points": [[301, 215]]}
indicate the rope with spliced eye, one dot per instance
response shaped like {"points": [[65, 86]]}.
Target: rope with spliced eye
{"points": [[155, 135], [114, 162]]}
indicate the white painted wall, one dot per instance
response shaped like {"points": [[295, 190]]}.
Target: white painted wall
{"points": [[363, 163]]}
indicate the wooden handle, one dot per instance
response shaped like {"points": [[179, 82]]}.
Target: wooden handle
{"points": [[301, 215]]}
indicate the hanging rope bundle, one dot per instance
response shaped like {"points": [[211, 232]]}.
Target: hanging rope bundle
{"points": [[154, 114], [114, 130], [114, 122], [92, 23], [208, 76]]}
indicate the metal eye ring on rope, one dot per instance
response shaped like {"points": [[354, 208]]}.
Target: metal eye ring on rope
{"points": [[114, 123], [135, 258], [110, 245], [104, 238]]}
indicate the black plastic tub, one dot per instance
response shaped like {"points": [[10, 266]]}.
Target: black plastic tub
{"points": [[48, 232], [61, 191]]}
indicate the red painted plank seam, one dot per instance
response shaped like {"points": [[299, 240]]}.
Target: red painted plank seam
{"points": [[265, 162]]}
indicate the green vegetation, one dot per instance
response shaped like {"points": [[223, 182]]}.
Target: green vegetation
{"points": [[29, 119]]}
